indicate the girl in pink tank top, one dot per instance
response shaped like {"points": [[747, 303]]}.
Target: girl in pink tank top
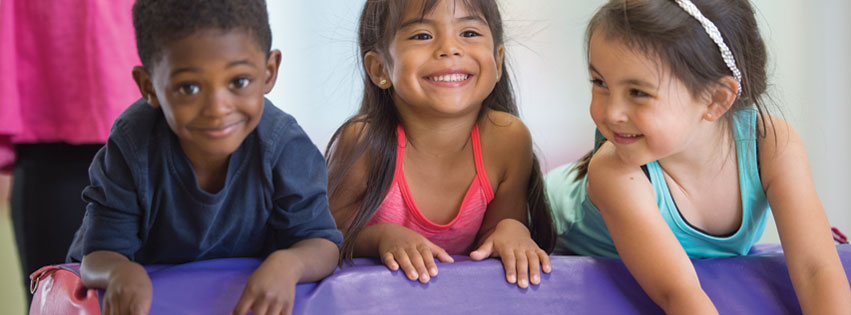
{"points": [[436, 162]]}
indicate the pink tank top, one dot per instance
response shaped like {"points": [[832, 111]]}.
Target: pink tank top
{"points": [[457, 236]]}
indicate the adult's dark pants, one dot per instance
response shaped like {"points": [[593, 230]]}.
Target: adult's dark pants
{"points": [[46, 202]]}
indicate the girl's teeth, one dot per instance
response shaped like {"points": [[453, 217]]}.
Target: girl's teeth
{"points": [[450, 78]]}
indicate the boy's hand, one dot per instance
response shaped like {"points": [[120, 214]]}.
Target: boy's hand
{"points": [[270, 289], [521, 257], [402, 247], [129, 291]]}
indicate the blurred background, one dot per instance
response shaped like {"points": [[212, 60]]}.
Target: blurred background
{"points": [[809, 45]]}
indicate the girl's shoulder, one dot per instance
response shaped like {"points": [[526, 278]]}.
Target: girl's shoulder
{"points": [[608, 175], [780, 148], [503, 132]]}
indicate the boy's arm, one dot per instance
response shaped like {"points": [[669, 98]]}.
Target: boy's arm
{"points": [[643, 240], [503, 232], [814, 265], [128, 288], [271, 288]]}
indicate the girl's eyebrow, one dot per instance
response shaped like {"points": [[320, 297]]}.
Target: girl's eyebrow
{"points": [[630, 81], [469, 18]]}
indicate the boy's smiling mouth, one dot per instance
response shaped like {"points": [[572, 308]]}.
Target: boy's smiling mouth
{"points": [[220, 131]]}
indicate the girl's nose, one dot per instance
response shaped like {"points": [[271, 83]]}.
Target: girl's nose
{"points": [[615, 111], [449, 47]]}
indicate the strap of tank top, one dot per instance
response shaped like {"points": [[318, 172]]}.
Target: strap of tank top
{"points": [[480, 163], [401, 143], [598, 140]]}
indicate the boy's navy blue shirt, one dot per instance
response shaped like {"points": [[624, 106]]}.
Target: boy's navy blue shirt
{"points": [[144, 201]]}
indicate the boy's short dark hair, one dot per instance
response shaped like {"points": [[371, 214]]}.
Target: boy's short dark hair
{"points": [[158, 22]]}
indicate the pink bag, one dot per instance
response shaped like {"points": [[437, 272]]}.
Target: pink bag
{"points": [[59, 290]]}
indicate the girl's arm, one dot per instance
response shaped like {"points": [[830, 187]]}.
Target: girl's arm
{"points": [[644, 241], [814, 266], [128, 287], [503, 232]]}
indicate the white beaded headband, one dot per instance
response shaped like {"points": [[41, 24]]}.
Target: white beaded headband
{"points": [[715, 34]]}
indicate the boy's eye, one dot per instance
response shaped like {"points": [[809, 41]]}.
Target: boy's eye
{"points": [[470, 34], [240, 83], [188, 89], [600, 83], [638, 93], [421, 36]]}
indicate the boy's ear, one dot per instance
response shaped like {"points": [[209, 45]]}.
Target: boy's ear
{"points": [[500, 53], [145, 84], [377, 71], [272, 65], [722, 96]]}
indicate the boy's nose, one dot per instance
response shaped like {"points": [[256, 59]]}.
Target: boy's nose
{"points": [[219, 104]]}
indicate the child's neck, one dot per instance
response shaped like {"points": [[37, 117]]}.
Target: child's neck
{"points": [[210, 171], [440, 136], [710, 150]]}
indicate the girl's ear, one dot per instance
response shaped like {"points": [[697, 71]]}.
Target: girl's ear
{"points": [[500, 53], [722, 96], [377, 71], [146, 86], [272, 65]]}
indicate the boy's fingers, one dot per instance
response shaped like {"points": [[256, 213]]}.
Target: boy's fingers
{"points": [[534, 267], [522, 269], [243, 305]]}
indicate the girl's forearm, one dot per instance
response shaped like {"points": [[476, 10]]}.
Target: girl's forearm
{"points": [[824, 291], [694, 301]]}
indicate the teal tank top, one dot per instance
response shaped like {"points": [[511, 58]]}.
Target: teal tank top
{"points": [[581, 229]]}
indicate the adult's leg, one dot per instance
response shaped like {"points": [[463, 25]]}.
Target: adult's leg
{"points": [[46, 205]]}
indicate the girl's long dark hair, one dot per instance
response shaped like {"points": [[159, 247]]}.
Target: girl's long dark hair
{"points": [[661, 29], [376, 122]]}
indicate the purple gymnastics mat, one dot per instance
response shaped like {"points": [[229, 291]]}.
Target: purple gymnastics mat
{"points": [[754, 284]]}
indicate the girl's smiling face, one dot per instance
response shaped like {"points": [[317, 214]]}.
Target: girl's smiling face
{"points": [[638, 105], [210, 86], [444, 62]]}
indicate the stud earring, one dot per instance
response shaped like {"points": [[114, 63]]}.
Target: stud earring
{"points": [[708, 116], [382, 82]]}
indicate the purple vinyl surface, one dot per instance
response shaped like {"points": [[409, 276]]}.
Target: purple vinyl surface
{"points": [[754, 284]]}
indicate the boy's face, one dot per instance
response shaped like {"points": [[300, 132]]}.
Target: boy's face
{"points": [[210, 86]]}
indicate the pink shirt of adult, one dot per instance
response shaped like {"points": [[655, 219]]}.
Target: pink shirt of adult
{"points": [[65, 71]]}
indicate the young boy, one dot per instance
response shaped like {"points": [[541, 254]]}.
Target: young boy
{"points": [[203, 166]]}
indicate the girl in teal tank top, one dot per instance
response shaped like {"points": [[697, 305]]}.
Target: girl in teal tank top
{"points": [[687, 160]]}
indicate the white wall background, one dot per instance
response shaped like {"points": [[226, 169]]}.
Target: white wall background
{"points": [[809, 46]]}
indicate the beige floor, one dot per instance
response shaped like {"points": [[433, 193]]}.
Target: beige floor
{"points": [[11, 289]]}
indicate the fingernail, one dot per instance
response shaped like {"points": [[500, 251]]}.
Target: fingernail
{"points": [[536, 279], [512, 279], [413, 276], [433, 271]]}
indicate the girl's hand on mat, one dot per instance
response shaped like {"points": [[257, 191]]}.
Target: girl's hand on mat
{"points": [[403, 248], [129, 290], [521, 257]]}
